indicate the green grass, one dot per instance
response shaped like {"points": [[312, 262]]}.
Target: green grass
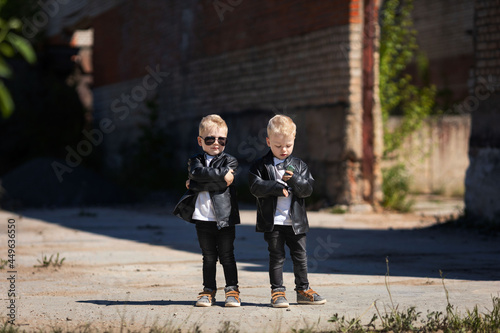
{"points": [[396, 188], [392, 319], [50, 261], [338, 209], [389, 318]]}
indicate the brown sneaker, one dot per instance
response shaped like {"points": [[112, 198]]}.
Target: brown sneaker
{"points": [[232, 297], [278, 299], [206, 297], [309, 297]]}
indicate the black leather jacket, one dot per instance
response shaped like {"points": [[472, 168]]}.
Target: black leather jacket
{"points": [[265, 187], [211, 179]]}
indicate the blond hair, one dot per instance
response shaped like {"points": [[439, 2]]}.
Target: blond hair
{"points": [[281, 125], [211, 121]]}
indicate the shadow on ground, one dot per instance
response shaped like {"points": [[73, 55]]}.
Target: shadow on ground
{"points": [[458, 253], [156, 303]]}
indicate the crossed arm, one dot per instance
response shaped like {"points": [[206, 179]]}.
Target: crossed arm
{"points": [[203, 178]]}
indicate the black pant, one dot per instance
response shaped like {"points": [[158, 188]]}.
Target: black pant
{"points": [[215, 243], [276, 241]]}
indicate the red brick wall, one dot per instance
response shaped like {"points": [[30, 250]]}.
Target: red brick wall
{"points": [[488, 38], [108, 46], [482, 193], [134, 35], [256, 22], [173, 32], [444, 35], [484, 102], [263, 57]]}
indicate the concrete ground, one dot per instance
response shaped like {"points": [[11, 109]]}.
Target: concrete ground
{"points": [[136, 268]]}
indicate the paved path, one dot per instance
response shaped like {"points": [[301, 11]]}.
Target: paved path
{"points": [[142, 268]]}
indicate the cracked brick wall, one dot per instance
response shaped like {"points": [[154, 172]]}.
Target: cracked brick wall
{"points": [[482, 196], [245, 60]]}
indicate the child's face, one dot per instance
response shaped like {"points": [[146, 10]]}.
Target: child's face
{"points": [[281, 145], [216, 148]]}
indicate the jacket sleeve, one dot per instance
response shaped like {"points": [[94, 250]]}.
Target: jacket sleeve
{"points": [[200, 173], [302, 182], [204, 178], [210, 186], [261, 188]]}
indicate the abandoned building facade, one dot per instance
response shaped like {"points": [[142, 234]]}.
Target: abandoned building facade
{"points": [[314, 61]]}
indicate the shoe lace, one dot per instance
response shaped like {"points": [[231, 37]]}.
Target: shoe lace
{"points": [[276, 294], [233, 293], [308, 293], [208, 294]]}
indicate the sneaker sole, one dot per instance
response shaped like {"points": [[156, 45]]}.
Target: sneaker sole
{"points": [[281, 305], [232, 305], [203, 305], [312, 303]]}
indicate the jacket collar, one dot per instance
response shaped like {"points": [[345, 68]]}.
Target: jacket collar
{"points": [[216, 157], [268, 158]]}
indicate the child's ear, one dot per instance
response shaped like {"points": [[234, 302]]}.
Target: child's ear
{"points": [[200, 141], [268, 142]]}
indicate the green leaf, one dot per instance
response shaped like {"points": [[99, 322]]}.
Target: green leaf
{"points": [[6, 103], [7, 50], [15, 24], [398, 95], [22, 46], [5, 70]]}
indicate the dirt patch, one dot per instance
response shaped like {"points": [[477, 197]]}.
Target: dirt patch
{"points": [[120, 273]]}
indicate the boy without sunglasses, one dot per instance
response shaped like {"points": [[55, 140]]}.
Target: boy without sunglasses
{"points": [[281, 182], [210, 203]]}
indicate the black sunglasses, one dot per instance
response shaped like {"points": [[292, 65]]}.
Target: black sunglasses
{"points": [[210, 140]]}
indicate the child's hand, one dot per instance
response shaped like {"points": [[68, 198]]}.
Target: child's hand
{"points": [[229, 177], [187, 184], [285, 192], [288, 174]]}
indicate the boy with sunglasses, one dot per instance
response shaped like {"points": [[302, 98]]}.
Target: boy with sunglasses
{"points": [[281, 183], [211, 204]]}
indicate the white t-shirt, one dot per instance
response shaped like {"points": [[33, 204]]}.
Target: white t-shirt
{"points": [[204, 208], [282, 216]]}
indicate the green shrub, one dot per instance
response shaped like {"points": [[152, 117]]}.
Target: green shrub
{"points": [[396, 185], [398, 93]]}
